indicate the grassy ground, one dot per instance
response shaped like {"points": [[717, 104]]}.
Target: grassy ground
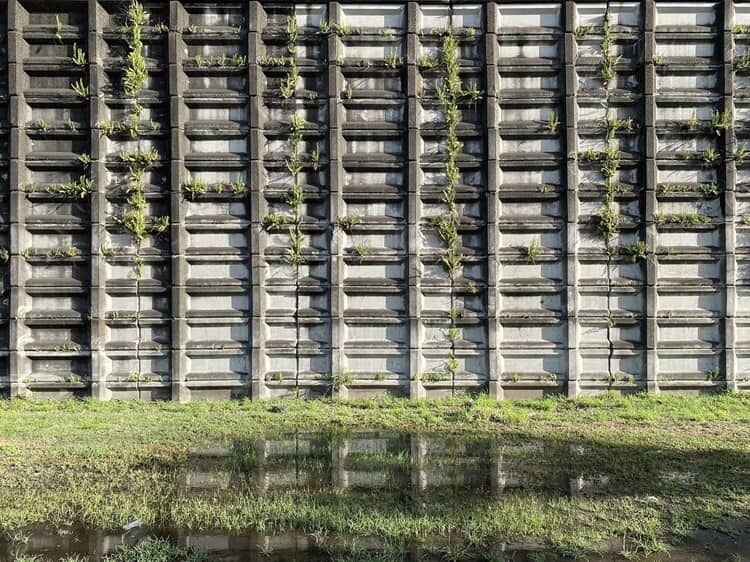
{"points": [[672, 465]]}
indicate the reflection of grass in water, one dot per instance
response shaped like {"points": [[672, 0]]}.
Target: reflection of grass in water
{"points": [[156, 550], [105, 465], [151, 550], [398, 460]]}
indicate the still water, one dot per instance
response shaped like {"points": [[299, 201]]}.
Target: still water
{"points": [[417, 473]]}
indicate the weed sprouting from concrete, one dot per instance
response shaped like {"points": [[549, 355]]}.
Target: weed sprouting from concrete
{"points": [[292, 218], [607, 222], [289, 82], [79, 55], [80, 88], [348, 222], [532, 251], [553, 123], [636, 251], [450, 92], [136, 73], [139, 161], [721, 121]]}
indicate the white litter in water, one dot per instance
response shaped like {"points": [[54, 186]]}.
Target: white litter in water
{"points": [[132, 525]]}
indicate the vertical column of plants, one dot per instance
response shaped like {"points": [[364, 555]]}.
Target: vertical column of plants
{"points": [[607, 222], [291, 219], [449, 92], [80, 189], [133, 218]]}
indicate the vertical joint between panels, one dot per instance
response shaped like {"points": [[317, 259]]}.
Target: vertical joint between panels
{"points": [[414, 182], [731, 151], [178, 174], [256, 235], [99, 266], [650, 199], [335, 140], [492, 146], [570, 81], [17, 363]]}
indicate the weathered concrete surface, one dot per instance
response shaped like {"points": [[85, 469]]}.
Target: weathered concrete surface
{"points": [[538, 306]]}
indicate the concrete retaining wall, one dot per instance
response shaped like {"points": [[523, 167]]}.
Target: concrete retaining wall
{"points": [[568, 113]]}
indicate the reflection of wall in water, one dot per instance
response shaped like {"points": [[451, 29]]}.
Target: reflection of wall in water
{"points": [[249, 547], [394, 464]]}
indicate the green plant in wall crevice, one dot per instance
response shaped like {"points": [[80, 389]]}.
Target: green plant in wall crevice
{"points": [[532, 251], [138, 162], [636, 251], [135, 76], [78, 189], [607, 222], [348, 222], [80, 88], [450, 92], [195, 188], [295, 197], [79, 55], [289, 82], [292, 218], [721, 121]]}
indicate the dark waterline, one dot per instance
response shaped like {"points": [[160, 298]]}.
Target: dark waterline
{"points": [[56, 544]]}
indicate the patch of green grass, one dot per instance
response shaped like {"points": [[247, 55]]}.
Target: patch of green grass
{"points": [[106, 464], [23, 418], [636, 251], [683, 219]]}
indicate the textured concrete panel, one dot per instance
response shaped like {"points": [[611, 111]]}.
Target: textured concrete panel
{"points": [[407, 198]]}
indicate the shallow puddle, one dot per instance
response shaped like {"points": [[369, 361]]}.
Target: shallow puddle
{"points": [[418, 474], [59, 545]]}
